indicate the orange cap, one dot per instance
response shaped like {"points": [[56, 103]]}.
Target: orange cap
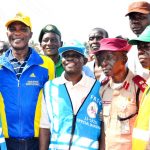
{"points": [[140, 7]]}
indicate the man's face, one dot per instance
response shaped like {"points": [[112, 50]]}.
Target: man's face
{"points": [[73, 62], [111, 62], [144, 54], [138, 22], [18, 35], [50, 44], [94, 40]]}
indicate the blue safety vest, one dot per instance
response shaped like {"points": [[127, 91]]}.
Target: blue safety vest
{"points": [[69, 130]]}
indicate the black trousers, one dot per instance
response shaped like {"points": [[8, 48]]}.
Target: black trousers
{"points": [[22, 144]]}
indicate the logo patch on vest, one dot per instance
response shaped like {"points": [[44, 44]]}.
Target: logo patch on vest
{"points": [[92, 109]]}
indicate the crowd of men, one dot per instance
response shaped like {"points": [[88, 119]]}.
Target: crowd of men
{"points": [[66, 99]]}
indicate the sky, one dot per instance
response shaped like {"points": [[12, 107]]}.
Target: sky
{"points": [[74, 18]]}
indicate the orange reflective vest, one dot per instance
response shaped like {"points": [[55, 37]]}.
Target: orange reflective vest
{"points": [[141, 131]]}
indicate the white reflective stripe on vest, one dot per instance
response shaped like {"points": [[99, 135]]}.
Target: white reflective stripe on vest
{"points": [[2, 140], [64, 147], [81, 141], [141, 134]]}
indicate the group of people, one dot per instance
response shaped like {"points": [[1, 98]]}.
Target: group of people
{"points": [[65, 99]]}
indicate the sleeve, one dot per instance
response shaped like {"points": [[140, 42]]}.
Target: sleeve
{"points": [[44, 122]]}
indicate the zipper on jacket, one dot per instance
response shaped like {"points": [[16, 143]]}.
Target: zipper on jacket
{"points": [[18, 83], [72, 131]]}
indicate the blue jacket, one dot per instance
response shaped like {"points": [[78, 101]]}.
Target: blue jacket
{"points": [[20, 100], [67, 129]]}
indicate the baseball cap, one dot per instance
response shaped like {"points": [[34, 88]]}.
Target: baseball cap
{"points": [[49, 28], [141, 7], [144, 37], [20, 17], [73, 45], [113, 44]]}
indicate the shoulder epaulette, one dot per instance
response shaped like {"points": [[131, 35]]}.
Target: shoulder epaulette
{"points": [[140, 82], [104, 81]]}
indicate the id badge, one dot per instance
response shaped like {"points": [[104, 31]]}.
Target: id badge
{"points": [[125, 127]]}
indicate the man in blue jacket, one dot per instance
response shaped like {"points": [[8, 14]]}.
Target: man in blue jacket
{"points": [[23, 73]]}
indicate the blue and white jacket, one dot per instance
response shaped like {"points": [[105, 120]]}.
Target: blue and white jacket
{"points": [[20, 99]]}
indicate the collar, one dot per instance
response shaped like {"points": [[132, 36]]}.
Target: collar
{"points": [[125, 84], [59, 63], [82, 82], [11, 57]]}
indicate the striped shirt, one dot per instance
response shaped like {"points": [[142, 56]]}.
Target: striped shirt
{"points": [[18, 65]]}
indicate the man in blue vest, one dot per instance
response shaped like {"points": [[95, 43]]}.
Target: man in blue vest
{"points": [[71, 105]]}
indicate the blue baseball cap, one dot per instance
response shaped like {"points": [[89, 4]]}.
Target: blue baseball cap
{"points": [[73, 45]]}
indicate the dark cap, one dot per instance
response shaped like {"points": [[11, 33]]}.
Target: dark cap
{"points": [[114, 45], [49, 28], [140, 7]]}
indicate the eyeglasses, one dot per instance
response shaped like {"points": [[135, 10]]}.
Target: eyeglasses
{"points": [[78, 56]]}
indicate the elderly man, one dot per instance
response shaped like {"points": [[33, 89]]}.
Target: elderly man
{"points": [[26, 72], [141, 132], [139, 19], [71, 105], [95, 36], [119, 93]]}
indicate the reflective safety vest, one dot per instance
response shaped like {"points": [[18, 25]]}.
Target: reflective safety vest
{"points": [[141, 131], [2, 141], [73, 131]]}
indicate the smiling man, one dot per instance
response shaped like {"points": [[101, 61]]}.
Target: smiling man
{"points": [[50, 41], [71, 105], [95, 36], [26, 73]]}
